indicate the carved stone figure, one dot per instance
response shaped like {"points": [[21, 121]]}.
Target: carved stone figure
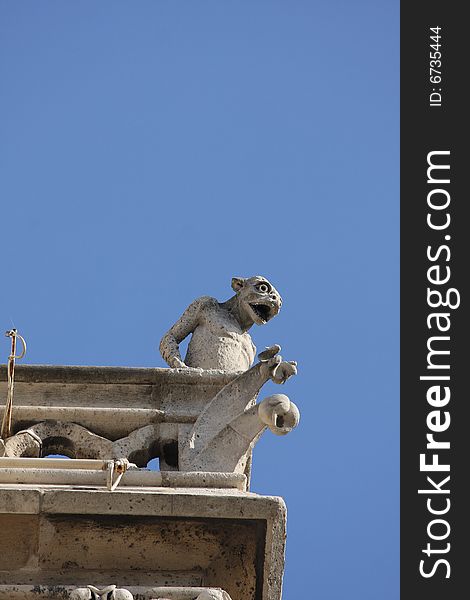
{"points": [[232, 423], [110, 592], [93, 593], [220, 338], [226, 430]]}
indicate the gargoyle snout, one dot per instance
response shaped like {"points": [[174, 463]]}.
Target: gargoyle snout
{"points": [[279, 414]]}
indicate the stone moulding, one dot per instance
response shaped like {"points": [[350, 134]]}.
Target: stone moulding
{"points": [[106, 412], [44, 471], [194, 420]]}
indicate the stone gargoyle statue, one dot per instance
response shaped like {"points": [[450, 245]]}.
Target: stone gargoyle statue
{"points": [[220, 338], [232, 422], [222, 436]]}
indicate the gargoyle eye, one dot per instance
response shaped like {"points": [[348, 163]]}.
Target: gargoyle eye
{"points": [[263, 288]]}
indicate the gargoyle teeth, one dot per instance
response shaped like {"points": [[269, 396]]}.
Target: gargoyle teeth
{"points": [[262, 311]]}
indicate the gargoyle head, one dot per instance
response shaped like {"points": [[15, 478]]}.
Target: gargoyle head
{"points": [[279, 414], [258, 298]]}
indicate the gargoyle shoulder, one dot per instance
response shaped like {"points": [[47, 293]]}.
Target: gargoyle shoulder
{"points": [[206, 303], [198, 308]]}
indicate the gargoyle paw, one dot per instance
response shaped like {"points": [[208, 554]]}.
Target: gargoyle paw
{"points": [[177, 363], [284, 371], [269, 352]]}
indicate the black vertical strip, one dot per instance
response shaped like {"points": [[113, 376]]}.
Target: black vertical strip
{"points": [[427, 127]]}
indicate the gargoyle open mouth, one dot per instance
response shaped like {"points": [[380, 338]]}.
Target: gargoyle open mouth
{"points": [[262, 311]]}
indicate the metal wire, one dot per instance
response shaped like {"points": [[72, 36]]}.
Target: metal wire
{"points": [[7, 415]]}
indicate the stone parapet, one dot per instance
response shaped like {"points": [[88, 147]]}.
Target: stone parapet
{"points": [[111, 401]]}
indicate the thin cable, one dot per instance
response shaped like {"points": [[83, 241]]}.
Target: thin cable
{"points": [[7, 415]]}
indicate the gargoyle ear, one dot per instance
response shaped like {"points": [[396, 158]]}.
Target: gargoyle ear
{"points": [[237, 283]]}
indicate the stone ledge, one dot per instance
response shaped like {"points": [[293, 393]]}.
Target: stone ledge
{"points": [[109, 375], [188, 502], [110, 401], [47, 472]]}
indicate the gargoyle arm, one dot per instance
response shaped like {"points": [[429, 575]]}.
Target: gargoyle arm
{"points": [[186, 324]]}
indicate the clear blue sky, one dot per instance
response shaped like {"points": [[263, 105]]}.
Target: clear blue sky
{"points": [[152, 150]]}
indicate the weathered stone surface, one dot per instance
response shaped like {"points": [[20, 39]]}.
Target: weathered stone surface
{"points": [[19, 541], [56, 471], [109, 401], [213, 595], [68, 592], [19, 500], [58, 437], [24, 443], [135, 538]]}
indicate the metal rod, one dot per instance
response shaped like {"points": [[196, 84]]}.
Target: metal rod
{"points": [[7, 415]]}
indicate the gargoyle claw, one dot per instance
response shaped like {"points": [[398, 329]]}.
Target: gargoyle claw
{"points": [[269, 352], [284, 371], [177, 363]]}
